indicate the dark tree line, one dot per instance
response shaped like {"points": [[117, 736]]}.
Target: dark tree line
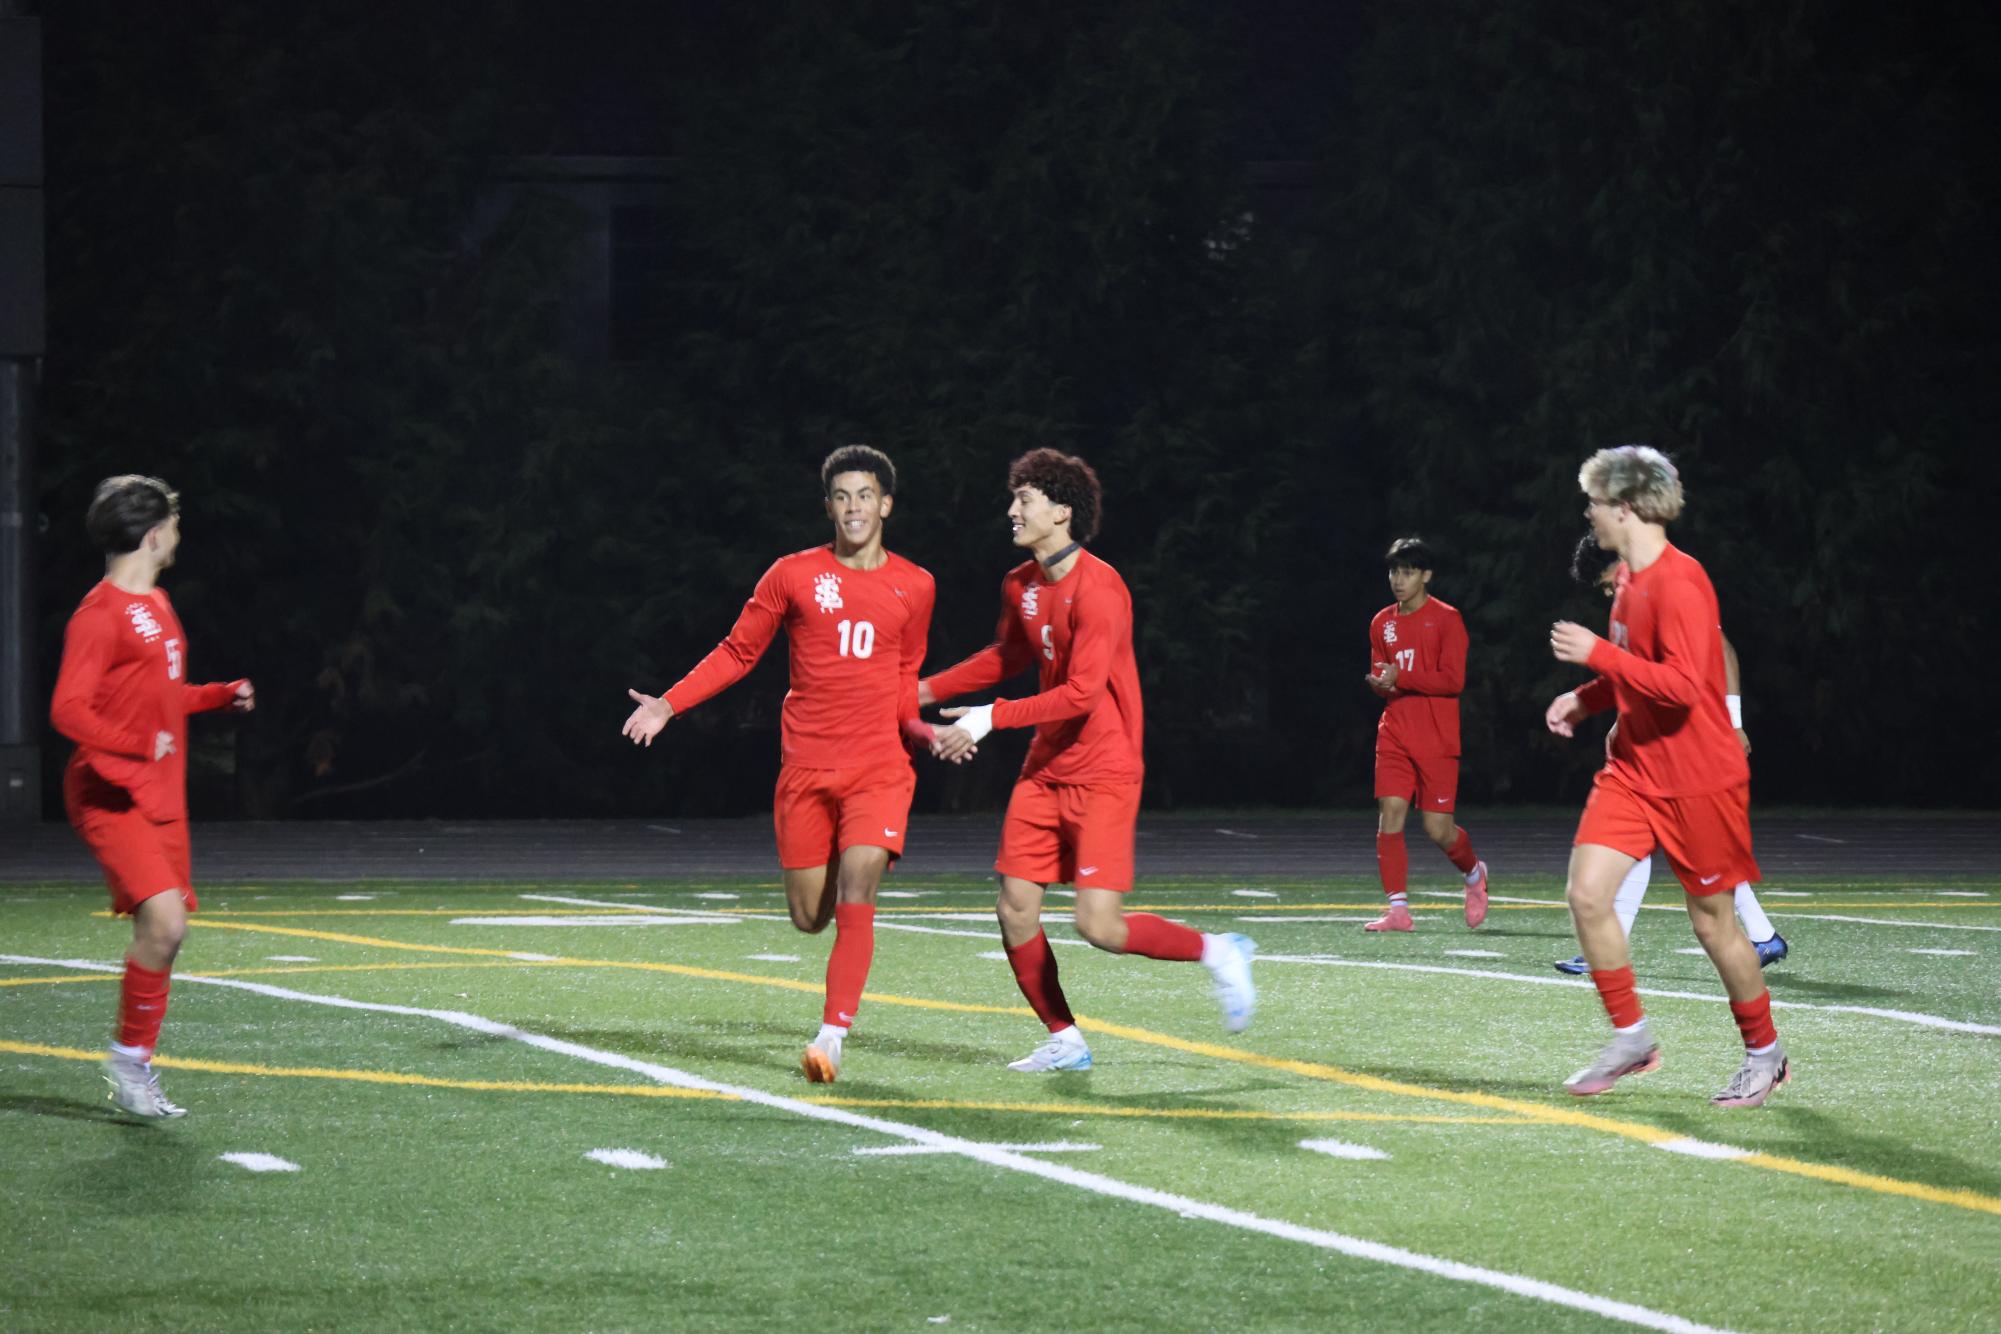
{"points": [[444, 543]]}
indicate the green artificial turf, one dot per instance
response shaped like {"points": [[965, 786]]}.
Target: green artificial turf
{"points": [[1871, 1199]]}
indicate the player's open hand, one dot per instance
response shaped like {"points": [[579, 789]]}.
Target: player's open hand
{"points": [[1564, 713], [648, 719], [1744, 740], [246, 697], [1571, 642], [954, 743]]}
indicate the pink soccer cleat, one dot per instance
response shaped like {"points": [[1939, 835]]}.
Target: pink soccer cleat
{"points": [[1476, 895], [1396, 919]]}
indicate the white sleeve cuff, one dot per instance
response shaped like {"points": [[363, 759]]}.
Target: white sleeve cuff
{"points": [[1735, 703], [976, 722]]}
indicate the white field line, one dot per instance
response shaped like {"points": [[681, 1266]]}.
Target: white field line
{"points": [[911, 1150], [260, 1162], [1337, 1148], [632, 1160], [1900, 1016], [1091, 1182], [1882, 921], [880, 923]]}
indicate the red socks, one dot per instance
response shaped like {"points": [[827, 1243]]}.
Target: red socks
{"points": [[1754, 1020], [1034, 967], [1615, 988], [142, 1004], [1158, 938], [1461, 852], [847, 965], [1394, 861]]}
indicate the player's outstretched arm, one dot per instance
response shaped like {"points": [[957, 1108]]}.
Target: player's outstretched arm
{"points": [[239, 695], [649, 719]]}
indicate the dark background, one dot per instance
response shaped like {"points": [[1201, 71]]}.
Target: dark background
{"points": [[494, 348]]}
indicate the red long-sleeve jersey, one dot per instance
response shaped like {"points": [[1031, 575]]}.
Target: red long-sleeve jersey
{"points": [[1662, 668], [123, 681], [1428, 647], [1088, 719], [856, 639]]}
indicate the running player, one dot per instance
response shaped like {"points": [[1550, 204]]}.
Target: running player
{"points": [[1072, 815], [122, 695], [856, 617], [1591, 565], [1417, 655], [1675, 777]]}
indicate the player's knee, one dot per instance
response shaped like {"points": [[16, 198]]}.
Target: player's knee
{"points": [[810, 918], [1101, 931]]}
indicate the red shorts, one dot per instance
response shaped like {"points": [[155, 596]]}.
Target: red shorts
{"points": [[1706, 839], [1427, 782], [821, 813], [1070, 834], [140, 858]]}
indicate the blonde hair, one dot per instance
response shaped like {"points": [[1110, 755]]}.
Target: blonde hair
{"points": [[1636, 475]]}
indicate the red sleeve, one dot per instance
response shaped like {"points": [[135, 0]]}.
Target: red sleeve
{"points": [[1449, 678], [916, 640], [88, 643], [210, 697], [1100, 622], [731, 660], [1677, 679], [1009, 655], [1596, 695]]}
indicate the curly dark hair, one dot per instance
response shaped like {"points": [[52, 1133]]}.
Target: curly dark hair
{"points": [[125, 509], [1589, 561], [1066, 480], [859, 458]]}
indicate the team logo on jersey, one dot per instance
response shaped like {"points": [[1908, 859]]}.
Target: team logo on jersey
{"points": [[143, 622], [1029, 598], [827, 591], [1389, 632]]}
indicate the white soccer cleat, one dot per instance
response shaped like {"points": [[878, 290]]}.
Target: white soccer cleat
{"points": [[1064, 1051], [822, 1059], [1755, 1080], [1634, 1053], [1228, 958], [136, 1089]]}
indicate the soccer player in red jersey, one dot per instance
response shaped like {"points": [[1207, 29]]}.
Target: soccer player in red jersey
{"points": [[1675, 776], [1417, 656], [122, 695], [1764, 937], [1074, 809], [856, 618]]}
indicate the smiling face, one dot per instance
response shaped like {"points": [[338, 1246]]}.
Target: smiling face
{"points": [[857, 505], [1039, 523]]}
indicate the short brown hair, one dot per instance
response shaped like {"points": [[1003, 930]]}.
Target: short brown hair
{"points": [[1066, 480], [125, 509]]}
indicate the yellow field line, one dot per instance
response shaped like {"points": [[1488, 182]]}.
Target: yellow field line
{"points": [[664, 1091], [1548, 1115], [268, 972], [899, 909], [639, 965]]}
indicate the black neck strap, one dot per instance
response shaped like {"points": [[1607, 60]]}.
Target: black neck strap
{"points": [[1051, 562]]}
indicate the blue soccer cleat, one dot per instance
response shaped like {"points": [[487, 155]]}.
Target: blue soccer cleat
{"points": [[1770, 951], [1575, 967]]}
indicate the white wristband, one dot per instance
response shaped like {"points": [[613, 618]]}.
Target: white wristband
{"points": [[976, 722], [1735, 703]]}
